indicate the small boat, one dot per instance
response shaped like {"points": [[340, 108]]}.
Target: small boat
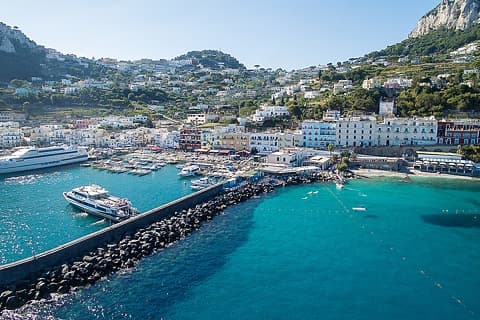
{"points": [[339, 185], [97, 201], [201, 183], [189, 171], [359, 209]]}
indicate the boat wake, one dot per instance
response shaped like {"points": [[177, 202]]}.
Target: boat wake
{"points": [[81, 215], [29, 179], [103, 221]]}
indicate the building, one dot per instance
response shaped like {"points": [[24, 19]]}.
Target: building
{"points": [[270, 112], [318, 134], [449, 163], [402, 132], [11, 116], [373, 83], [265, 143], [458, 132], [286, 157], [377, 163], [342, 86], [356, 131], [190, 139], [387, 107], [201, 118]]}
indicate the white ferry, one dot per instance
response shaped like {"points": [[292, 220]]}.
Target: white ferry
{"points": [[25, 159], [95, 200]]}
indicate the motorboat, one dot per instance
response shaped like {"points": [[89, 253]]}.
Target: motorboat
{"points": [[201, 183], [189, 171], [96, 200]]}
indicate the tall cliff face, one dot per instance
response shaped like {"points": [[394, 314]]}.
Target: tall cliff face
{"points": [[11, 38], [450, 14]]}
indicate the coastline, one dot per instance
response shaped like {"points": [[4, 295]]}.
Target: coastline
{"points": [[372, 173]]}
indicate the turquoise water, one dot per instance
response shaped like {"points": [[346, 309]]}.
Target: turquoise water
{"points": [[35, 217], [303, 253]]}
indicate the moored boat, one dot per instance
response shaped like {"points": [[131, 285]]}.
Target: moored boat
{"points": [[189, 171], [201, 183], [97, 201], [26, 159]]}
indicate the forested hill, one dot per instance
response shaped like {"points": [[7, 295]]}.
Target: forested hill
{"points": [[212, 59]]}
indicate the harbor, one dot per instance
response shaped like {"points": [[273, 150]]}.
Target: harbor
{"points": [[303, 218]]}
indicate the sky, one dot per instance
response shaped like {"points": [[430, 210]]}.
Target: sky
{"points": [[271, 33]]}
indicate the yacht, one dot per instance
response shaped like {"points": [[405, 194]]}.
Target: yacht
{"points": [[189, 171], [97, 201], [31, 158]]}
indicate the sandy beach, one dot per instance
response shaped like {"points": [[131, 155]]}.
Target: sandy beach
{"points": [[370, 173]]}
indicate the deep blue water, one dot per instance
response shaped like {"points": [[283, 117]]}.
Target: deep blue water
{"points": [[35, 216], [303, 253]]}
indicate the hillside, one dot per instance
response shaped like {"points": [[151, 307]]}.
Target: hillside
{"points": [[212, 59], [440, 41]]}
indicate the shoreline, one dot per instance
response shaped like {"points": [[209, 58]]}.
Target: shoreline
{"points": [[372, 173]]}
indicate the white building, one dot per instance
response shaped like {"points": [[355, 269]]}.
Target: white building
{"points": [[311, 94], [270, 112], [356, 131], [286, 157], [10, 137], [318, 134], [386, 107], [342, 86], [400, 131], [265, 143], [373, 83], [201, 118]]}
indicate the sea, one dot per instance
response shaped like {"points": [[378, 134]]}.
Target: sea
{"points": [[383, 248]]}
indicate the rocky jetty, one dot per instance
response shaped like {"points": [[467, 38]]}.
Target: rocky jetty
{"points": [[125, 253]]}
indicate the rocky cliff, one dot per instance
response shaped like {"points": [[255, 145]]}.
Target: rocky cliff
{"points": [[450, 14], [11, 38]]}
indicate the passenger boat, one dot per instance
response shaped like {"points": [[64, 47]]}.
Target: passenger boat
{"points": [[31, 158], [97, 201], [189, 171]]}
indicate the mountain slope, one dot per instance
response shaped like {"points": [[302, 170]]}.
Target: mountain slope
{"points": [[441, 41], [213, 59], [449, 14]]}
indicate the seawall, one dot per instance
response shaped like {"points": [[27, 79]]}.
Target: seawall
{"points": [[23, 270]]}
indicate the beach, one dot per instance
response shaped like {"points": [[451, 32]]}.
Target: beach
{"points": [[371, 173]]}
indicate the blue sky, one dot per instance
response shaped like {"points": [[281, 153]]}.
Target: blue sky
{"points": [[272, 33]]}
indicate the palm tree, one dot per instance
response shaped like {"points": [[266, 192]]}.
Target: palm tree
{"points": [[330, 149]]}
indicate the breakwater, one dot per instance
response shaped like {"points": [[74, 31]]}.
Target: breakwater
{"points": [[119, 247]]}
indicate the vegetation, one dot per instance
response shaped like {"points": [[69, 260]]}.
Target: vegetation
{"points": [[213, 59], [441, 41], [470, 152]]}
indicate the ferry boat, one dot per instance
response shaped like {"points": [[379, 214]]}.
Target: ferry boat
{"points": [[31, 158], [189, 171], [97, 201]]}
